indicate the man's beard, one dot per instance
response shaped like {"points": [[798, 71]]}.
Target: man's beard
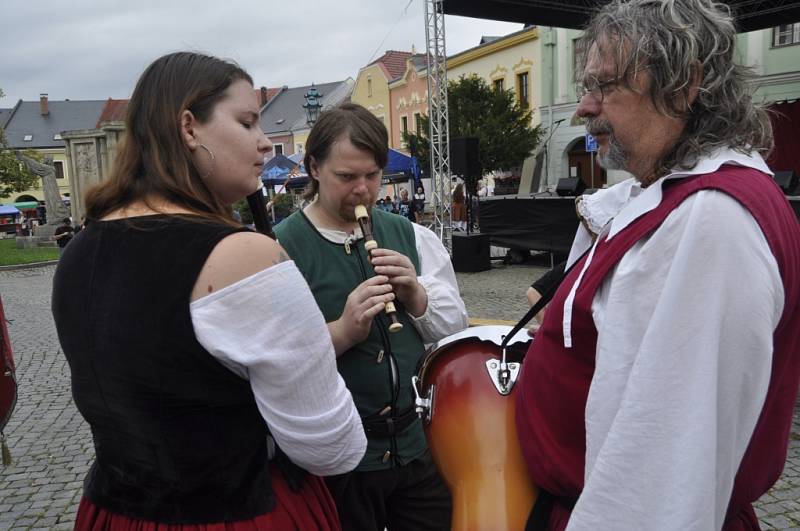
{"points": [[615, 157]]}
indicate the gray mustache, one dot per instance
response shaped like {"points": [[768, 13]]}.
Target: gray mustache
{"points": [[598, 128]]}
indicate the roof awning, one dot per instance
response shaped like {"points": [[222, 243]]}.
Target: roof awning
{"points": [[26, 204], [750, 14], [8, 210]]}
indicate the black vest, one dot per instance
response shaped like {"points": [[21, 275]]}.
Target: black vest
{"points": [[178, 437]]}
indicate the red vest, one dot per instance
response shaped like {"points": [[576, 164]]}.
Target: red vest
{"points": [[554, 384]]}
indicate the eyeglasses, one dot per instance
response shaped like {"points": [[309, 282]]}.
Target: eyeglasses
{"points": [[595, 88]]}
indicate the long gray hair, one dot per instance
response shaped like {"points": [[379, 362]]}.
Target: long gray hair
{"points": [[668, 38]]}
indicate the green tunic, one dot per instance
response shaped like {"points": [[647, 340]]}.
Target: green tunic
{"points": [[333, 271]]}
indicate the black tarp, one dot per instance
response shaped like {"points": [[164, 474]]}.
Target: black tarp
{"points": [[795, 202], [750, 14], [536, 224]]}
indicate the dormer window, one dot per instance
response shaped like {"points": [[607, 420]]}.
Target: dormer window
{"points": [[280, 120], [57, 136], [27, 138]]}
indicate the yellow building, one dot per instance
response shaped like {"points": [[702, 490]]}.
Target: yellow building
{"points": [[510, 62], [371, 88]]}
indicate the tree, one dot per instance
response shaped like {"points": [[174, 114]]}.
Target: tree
{"points": [[493, 116], [14, 176]]}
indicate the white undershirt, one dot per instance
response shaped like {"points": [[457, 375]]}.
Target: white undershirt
{"points": [[268, 329], [684, 354]]}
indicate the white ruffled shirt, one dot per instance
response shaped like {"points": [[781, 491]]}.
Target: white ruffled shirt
{"points": [[268, 329], [684, 354]]}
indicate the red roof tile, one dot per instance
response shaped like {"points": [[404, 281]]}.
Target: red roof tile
{"points": [[394, 63], [113, 111], [271, 93]]}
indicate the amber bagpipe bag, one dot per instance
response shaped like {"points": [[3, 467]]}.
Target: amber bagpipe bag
{"points": [[8, 384]]}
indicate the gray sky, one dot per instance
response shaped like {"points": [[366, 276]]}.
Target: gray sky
{"points": [[96, 49]]}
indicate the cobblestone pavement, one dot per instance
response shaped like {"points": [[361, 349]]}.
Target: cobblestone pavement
{"points": [[51, 445]]}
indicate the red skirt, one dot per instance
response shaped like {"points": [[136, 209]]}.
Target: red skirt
{"points": [[310, 509]]}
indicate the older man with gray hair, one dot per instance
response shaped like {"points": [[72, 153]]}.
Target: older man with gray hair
{"points": [[659, 391]]}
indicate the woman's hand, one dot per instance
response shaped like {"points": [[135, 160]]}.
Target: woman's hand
{"points": [[403, 278]]}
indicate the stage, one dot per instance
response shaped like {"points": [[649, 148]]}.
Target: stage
{"points": [[534, 224], [539, 224]]}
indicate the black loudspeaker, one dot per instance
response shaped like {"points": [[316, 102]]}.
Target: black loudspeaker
{"points": [[471, 253], [464, 157], [787, 180], [570, 186]]}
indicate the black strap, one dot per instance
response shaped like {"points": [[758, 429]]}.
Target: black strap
{"points": [[541, 303], [377, 425]]}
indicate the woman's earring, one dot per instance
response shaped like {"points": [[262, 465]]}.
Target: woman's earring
{"points": [[210, 154]]}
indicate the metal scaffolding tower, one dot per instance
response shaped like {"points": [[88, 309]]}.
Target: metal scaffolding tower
{"points": [[439, 122]]}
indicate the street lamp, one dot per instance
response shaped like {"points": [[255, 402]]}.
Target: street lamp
{"points": [[312, 104]]}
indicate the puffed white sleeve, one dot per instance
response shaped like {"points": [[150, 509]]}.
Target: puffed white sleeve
{"points": [[446, 313], [268, 329], [684, 356]]}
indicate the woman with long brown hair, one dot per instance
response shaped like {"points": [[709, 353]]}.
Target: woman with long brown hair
{"points": [[459, 208], [195, 395]]}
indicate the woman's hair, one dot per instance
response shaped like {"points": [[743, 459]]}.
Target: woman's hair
{"points": [[668, 39], [153, 161], [363, 129], [458, 193]]}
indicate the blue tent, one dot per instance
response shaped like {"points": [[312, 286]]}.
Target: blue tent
{"points": [[398, 162], [8, 210], [277, 170]]}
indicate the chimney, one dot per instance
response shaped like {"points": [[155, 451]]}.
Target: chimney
{"points": [[43, 108], [263, 96]]}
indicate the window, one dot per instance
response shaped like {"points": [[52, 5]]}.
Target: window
{"points": [[369, 87], [298, 148], [417, 123], [499, 85], [404, 124], [57, 136], [523, 90], [577, 55], [27, 138], [786, 34], [277, 149], [59, 169]]}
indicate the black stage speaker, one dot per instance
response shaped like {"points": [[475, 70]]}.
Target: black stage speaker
{"points": [[570, 186], [464, 157], [471, 253], [787, 180]]}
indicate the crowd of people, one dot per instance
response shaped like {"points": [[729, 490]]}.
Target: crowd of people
{"points": [[411, 209], [231, 379]]}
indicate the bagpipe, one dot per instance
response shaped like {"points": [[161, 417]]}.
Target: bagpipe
{"points": [[8, 384]]}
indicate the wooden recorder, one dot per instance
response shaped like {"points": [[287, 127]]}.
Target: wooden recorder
{"points": [[369, 244]]}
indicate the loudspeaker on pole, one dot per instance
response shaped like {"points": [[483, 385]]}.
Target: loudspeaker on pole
{"points": [[570, 186], [465, 157]]}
